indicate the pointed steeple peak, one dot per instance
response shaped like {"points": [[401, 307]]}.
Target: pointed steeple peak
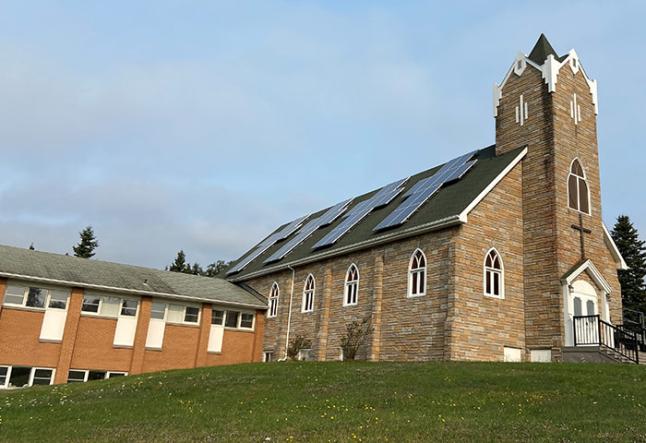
{"points": [[541, 50]]}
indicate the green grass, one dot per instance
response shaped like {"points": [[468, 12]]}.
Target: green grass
{"points": [[340, 402]]}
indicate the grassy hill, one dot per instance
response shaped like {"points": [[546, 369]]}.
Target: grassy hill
{"points": [[340, 402]]}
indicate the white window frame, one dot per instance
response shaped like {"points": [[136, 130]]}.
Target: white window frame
{"points": [[253, 321], [420, 271], [98, 310], [33, 373], [86, 373], [265, 354], [108, 374], [6, 382], [224, 315], [491, 270], [274, 297], [199, 315], [347, 291], [123, 300], [578, 194], [308, 295], [25, 296], [165, 310]]}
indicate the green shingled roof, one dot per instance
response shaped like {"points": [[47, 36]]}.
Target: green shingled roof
{"points": [[447, 203], [81, 272]]}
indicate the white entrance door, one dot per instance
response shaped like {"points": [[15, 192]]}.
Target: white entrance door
{"points": [[583, 303]]}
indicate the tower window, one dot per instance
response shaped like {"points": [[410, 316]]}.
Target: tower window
{"points": [[578, 193]]}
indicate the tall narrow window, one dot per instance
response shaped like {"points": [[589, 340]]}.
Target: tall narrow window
{"points": [[577, 187], [351, 286], [417, 274], [273, 300], [494, 275], [308, 294]]}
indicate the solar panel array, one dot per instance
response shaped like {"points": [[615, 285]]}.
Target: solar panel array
{"points": [[288, 230], [425, 188], [328, 217], [381, 198]]}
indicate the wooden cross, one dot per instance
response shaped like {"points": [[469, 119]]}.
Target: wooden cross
{"points": [[582, 230]]}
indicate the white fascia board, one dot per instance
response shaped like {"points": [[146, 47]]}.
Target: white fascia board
{"points": [[118, 290], [464, 214], [594, 273], [614, 249]]}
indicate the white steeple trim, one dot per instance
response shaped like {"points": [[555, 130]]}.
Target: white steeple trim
{"points": [[549, 71]]}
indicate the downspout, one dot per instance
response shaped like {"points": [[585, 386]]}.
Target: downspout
{"points": [[289, 314]]}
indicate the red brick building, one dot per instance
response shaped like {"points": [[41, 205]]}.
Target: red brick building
{"points": [[67, 319], [500, 254]]}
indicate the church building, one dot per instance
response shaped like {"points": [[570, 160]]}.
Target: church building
{"points": [[499, 255]]}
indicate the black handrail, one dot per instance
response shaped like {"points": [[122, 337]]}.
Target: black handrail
{"points": [[590, 330]]}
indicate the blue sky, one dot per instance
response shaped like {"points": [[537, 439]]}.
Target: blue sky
{"points": [[202, 125]]}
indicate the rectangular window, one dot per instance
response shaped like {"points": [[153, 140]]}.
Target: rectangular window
{"points": [[267, 356], [19, 377], [57, 300], [232, 319], [112, 374], [4, 372], [246, 320], [75, 376], [91, 304], [42, 376], [129, 308], [96, 375], [217, 317], [36, 298], [192, 314], [158, 311], [14, 296]]}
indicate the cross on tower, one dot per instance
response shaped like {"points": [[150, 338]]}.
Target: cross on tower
{"points": [[582, 230]]}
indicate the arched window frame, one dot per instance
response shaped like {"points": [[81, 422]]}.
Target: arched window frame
{"points": [[351, 286], [274, 296], [417, 274], [309, 291], [578, 179], [490, 273]]}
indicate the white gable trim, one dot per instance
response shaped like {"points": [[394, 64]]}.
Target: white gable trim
{"points": [[592, 271], [614, 249], [464, 214]]}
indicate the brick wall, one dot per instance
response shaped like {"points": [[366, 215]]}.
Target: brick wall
{"points": [[88, 342]]}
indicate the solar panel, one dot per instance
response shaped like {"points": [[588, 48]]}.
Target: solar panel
{"points": [[277, 236], [328, 217], [425, 188], [384, 196]]}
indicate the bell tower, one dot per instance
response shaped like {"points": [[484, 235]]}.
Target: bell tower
{"points": [[548, 103]]}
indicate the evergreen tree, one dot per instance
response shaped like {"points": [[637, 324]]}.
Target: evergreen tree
{"points": [[88, 243], [31, 247], [195, 269], [179, 265], [633, 285], [214, 269]]}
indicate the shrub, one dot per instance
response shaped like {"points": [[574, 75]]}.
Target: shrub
{"points": [[297, 344], [356, 334]]}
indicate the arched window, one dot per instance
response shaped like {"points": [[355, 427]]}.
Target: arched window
{"points": [[577, 187], [351, 286], [308, 294], [273, 300], [494, 275], [417, 274]]}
